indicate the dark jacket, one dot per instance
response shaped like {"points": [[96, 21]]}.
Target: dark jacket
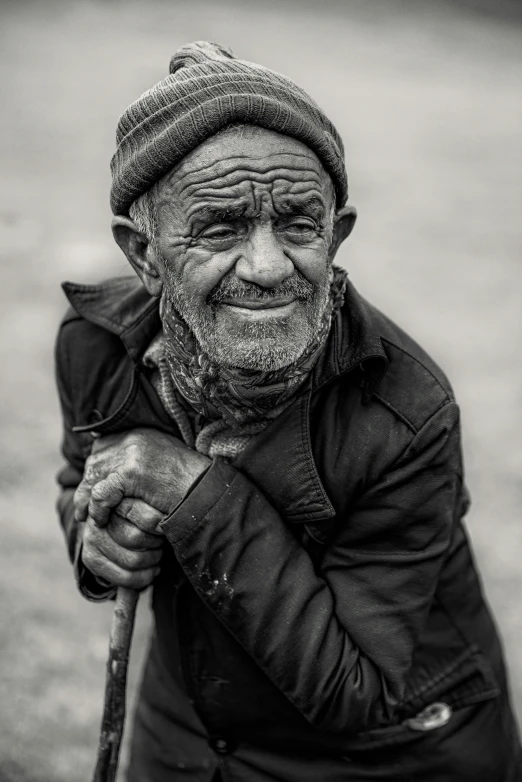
{"points": [[318, 591]]}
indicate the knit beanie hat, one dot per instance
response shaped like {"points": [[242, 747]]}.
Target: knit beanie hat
{"points": [[206, 90]]}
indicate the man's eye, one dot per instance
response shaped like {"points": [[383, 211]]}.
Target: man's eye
{"points": [[300, 225], [222, 231]]}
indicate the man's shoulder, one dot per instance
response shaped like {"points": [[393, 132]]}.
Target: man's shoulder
{"points": [[104, 331], [113, 304], [413, 387]]}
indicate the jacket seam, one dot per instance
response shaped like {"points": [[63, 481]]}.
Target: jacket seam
{"points": [[428, 420], [417, 360], [456, 627], [397, 412], [305, 434], [471, 651], [194, 527]]}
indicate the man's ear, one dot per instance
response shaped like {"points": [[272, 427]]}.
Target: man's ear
{"points": [[139, 252], [344, 222]]}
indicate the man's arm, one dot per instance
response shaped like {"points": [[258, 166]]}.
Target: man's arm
{"points": [[127, 548], [75, 450], [338, 642]]}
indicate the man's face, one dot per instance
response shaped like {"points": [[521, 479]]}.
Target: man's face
{"points": [[242, 247]]}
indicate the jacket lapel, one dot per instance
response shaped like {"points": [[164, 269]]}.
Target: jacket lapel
{"points": [[279, 461]]}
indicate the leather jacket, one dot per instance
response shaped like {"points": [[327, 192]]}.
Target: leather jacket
{"points": [[318, 592]]}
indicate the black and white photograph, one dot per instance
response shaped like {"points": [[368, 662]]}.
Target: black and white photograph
{"points": [[261, 397]]}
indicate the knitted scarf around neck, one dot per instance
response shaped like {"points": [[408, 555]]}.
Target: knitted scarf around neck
{"points": [[231, 404]]}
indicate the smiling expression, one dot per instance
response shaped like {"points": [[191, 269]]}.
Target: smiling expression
{"points": [[244, 227]]}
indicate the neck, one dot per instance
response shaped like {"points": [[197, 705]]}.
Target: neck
{"points": [[237, 395]]}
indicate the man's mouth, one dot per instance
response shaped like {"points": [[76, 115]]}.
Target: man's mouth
{"points": [[243, 302], [260, 309]]}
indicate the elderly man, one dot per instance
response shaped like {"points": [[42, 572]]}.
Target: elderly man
{"points": [[276, 457]]}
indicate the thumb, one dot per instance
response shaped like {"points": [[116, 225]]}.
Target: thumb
{"points": [[106, 495]]}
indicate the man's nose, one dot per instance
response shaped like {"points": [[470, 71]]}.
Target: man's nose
{"points": [[263, 261]]}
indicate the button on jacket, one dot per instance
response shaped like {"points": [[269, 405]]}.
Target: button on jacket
{"points": [[318, 600]]}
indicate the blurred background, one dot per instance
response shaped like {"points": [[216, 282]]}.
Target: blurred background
{"points": [[427, 96]]}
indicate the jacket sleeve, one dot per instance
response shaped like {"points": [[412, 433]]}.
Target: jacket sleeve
{"points": [[75, 449], [337, 642]]}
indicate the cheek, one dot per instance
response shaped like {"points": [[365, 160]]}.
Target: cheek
{"points": [[199, 271], [196, 269], [312, 261]]}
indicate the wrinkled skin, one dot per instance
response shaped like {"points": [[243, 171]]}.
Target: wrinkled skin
{"points": [[247, 230], [123, 546]]}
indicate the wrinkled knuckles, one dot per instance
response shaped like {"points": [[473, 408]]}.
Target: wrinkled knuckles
{"points": [[99, 492], [132, 469], [139, 560], [130, 537], [107, 491]]}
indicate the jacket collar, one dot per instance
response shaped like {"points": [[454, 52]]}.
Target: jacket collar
{"points": [[282, 453], [120, 305]]}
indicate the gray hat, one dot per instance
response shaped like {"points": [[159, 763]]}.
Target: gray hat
{"points": [[206, 90]]}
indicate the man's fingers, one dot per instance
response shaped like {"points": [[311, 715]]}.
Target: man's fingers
{"points": [[141, 514], [116, 575], [98, 545], [128, 535], [81, 499], [93, 472], [105, 495]]}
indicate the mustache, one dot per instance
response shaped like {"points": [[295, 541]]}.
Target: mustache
{"points": [[231, 287]]}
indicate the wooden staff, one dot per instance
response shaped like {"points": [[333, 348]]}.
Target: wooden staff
{"points": [[113, 719]]}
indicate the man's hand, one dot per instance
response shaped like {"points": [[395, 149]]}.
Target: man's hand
{"points": [[143, 464], [127, 551]]}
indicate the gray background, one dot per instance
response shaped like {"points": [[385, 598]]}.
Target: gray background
{"points": [[428, 99]]}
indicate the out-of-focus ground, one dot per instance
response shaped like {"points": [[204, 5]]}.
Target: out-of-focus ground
{"points": [[428, 99]]}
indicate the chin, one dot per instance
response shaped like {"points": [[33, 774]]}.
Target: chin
{"points": [[260, 356], [264, 347]]}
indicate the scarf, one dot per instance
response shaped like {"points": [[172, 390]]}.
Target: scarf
{"points": [[219, 408]]}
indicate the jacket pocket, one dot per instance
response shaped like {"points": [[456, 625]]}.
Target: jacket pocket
{"points": [[467, 681]]}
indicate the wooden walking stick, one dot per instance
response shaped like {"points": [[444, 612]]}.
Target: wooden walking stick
{"points": [[115, 684]]}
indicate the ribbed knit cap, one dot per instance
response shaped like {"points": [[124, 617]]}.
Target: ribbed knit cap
{"points": [[206, 90]]}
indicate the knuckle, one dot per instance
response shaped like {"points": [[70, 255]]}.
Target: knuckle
{"points": [[117, 482], [135, 537], [125, 508], [99, 491], [128, 579], [131, 469]]}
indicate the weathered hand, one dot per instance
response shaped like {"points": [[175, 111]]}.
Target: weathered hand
{"points": [[143, 464], [127, 551]]}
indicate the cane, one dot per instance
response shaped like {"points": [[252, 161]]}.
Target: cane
{"points": [[115, 684]]}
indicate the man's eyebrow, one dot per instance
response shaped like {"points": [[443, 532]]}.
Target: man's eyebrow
{"points": [[293, 204], [216, 213]]}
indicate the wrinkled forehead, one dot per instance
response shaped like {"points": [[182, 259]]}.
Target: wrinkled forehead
{"points": [[241, 159]]}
